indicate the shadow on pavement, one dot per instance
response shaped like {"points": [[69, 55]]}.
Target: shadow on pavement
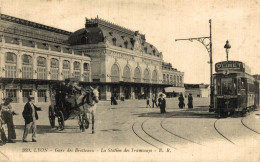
{"points": [[183, 113], [42, 129]]}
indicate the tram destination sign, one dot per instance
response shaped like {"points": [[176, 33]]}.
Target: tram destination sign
{"points": [[230, 66]]}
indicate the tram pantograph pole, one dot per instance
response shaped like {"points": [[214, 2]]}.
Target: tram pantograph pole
{"points": [[208, 46]]}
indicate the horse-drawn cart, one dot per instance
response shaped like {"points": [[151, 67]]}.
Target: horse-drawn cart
{"points": [[63, 104]]}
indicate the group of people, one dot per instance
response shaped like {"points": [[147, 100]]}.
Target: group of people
{"points": [[162, 102], [182, 103], [6, 121]]}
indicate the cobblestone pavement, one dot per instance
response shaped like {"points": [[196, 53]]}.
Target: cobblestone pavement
{"points": [[180, 134]]}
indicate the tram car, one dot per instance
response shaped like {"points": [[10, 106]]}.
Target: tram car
{"points": [[235, 90]]}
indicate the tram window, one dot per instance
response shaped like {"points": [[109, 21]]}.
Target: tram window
{"points": [[243, 83], [228, 86], [218, 86]]}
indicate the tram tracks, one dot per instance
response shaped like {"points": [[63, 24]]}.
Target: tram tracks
{"points": [[161, 124], [248, 126], [152, 140], [215, 126]]}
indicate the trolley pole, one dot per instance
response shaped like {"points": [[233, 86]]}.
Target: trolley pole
{"points": [[208, 46]]}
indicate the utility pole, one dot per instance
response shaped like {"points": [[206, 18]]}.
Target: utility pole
{"points": [[208, 46]]}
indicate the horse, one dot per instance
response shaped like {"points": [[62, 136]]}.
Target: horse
{"points": [[87, 108]]}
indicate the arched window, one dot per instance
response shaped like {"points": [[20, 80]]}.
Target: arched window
{"points": [[180, 80], [146, 76], [114, 41], [177, 80], [76, 68], [154, 76], [115, 74], [126, 44], [164, 78], [86, 72], [27, 67], [66, 69], [54, 69], [137, 75], [41, 68], [127, 74], [10, 65], [174, 80]]}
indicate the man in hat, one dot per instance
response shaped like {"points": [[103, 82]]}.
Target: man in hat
{"points": [[7, 116], [30, 116]]}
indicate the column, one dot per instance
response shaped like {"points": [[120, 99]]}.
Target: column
{"points": [[35, 94], [81, 70], [20, 95], [34, 66], [60, 69], [48, 65], [2, 63], [132, 92], [71, 68], [150, 92], [19, 65], [121, 92]]}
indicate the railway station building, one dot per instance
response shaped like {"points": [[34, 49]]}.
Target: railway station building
{"points": [[120, 61]]}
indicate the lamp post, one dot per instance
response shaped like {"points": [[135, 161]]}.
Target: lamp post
{"points": [[208, 46], [227, 46]]}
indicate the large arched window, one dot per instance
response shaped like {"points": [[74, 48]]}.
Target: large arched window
{"points": [[146, 76], [27, 67], [66, 69], [137, 75], [127, 74], [180, 80], [154, 76], [86, 72], [41, 68], [167, 79], [76, 68], [10, 65], [115, 74], [54, 69], [177, 80]]}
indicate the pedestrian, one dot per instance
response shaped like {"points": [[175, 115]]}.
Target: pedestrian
{"points": [[7, 116], [30, 116], [148, 102], [112, 100], [190, 100], [162, 103], [154, 100], [181, 101]]}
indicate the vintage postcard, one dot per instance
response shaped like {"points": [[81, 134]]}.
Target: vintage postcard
{"points": [[129, 80]]}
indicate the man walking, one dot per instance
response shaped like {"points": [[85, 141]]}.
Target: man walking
{"points": [[30, 116], [154, 100]]}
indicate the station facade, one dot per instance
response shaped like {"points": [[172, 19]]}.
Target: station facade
{"points": [[118, 60]]}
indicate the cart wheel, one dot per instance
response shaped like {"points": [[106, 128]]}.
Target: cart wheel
{"points": [[61, 120], [51, 117]]}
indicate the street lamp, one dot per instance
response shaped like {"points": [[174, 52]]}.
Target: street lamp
{"points": [[227, 46], [208, 46]]}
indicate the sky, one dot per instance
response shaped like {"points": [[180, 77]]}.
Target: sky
{"points": [[163, 21]]}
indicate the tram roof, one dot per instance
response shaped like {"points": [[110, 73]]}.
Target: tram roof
{"points": [[232, 67]]}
